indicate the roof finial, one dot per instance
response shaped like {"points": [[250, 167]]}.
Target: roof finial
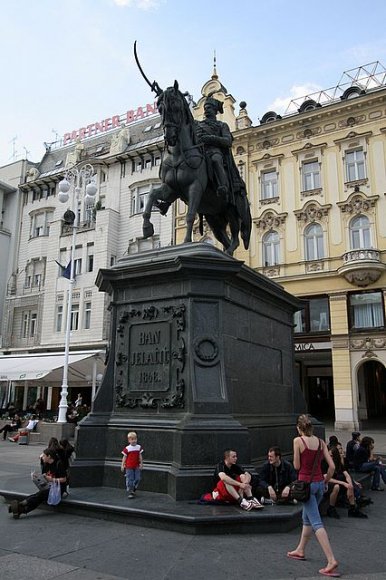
{"points": [[214, 75]]}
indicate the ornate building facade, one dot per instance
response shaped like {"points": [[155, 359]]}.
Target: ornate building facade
{"points": [[317, 184], [316, 179], [126, 163]]}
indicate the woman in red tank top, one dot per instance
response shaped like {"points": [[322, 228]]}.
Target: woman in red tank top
{"points": [[306, 449]]}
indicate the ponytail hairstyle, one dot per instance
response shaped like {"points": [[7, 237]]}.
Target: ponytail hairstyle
{"points": [[305, 425]]}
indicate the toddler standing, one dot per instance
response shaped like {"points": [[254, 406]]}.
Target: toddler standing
{"points": [[132, 464]]}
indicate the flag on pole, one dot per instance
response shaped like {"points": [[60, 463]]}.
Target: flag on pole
{"points": [[65, 270]]}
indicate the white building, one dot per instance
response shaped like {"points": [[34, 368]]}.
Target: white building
{"points": [[126, 162]]}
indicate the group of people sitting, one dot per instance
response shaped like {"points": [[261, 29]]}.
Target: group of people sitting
{"points": [[15, 424], [55, 462], [271, 484], [233, 484]]}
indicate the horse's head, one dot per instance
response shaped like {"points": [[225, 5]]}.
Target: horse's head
{"points": [[172, 106]]}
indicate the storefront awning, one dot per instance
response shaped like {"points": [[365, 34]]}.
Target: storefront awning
{"points": [[48, 367]]}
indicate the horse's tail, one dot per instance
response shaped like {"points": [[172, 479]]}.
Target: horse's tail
{"points": [[244, 212], [201, 224]]}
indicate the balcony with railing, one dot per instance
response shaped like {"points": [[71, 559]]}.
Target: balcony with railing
{"points": [[83, 226], [362, 267]]}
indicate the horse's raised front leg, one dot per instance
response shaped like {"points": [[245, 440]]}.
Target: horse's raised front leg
{"points": [[162, 192]]}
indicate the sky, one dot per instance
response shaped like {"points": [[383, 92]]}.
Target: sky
{"points": [[68, 63]]}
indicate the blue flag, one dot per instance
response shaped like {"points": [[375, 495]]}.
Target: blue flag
{"points": [[65, 270]]}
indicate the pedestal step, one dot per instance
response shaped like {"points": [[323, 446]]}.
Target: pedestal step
{"points": [[161, 511]]}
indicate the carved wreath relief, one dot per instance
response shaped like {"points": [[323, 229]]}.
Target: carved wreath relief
{"points": [[150, 357]]}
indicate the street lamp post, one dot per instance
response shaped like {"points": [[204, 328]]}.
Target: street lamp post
{"points": [[77, 181]]}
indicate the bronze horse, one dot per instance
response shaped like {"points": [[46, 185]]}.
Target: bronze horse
{"points": [[184, 175]]}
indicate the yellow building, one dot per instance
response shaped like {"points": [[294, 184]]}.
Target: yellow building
{"points": [[316, 179]]}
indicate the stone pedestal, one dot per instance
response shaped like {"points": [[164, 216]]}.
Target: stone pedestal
{"points": [[200, 360]]}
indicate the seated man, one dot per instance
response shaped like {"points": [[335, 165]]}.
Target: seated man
{"points": [[275, 477], [351, 447], [233, 483], [33, 421]]}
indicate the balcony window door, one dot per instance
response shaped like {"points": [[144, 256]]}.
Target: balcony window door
{"points": [[313, 237], [271, 249], [360, 233]]}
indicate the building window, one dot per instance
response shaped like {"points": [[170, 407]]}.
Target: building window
{"points": [[77, 266], [271, 249], [313, 237], [355, 165], [269, 184], [89, 212], [59, 317], [123, 169], [87, 315], [40, 224], [75, 317], [33, 324], [315, 317], [360, 233], [24, 324], [311, 175], [90, 257], [35, 273], [157, 161], [139, 198], [29, 324], [37, 280], [366, 310]]}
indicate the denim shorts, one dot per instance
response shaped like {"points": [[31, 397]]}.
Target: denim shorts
{"points": [[311, 515]]}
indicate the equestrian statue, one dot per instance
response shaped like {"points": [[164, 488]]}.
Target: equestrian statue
{"points": [[198, 167]]}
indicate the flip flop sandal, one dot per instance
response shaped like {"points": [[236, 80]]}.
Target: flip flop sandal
{"points": [[331, 574], [295, 556]]}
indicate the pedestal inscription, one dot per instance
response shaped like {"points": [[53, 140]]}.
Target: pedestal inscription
{"points": [[150, 357]]}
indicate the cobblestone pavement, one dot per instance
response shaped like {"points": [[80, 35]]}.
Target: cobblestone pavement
{"points": [[57, 546]]}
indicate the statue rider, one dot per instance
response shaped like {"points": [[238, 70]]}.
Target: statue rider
{"points": [[222, 170], [217, 140]]}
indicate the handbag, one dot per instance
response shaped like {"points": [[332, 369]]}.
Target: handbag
{"points": [[55, 493], [301, 490]]}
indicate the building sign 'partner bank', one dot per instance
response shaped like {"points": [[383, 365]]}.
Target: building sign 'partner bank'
{"points": [[110, 123]]}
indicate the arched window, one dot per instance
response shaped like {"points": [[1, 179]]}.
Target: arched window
{"points": [[360, 234], [313, 239], [271, 249]]}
